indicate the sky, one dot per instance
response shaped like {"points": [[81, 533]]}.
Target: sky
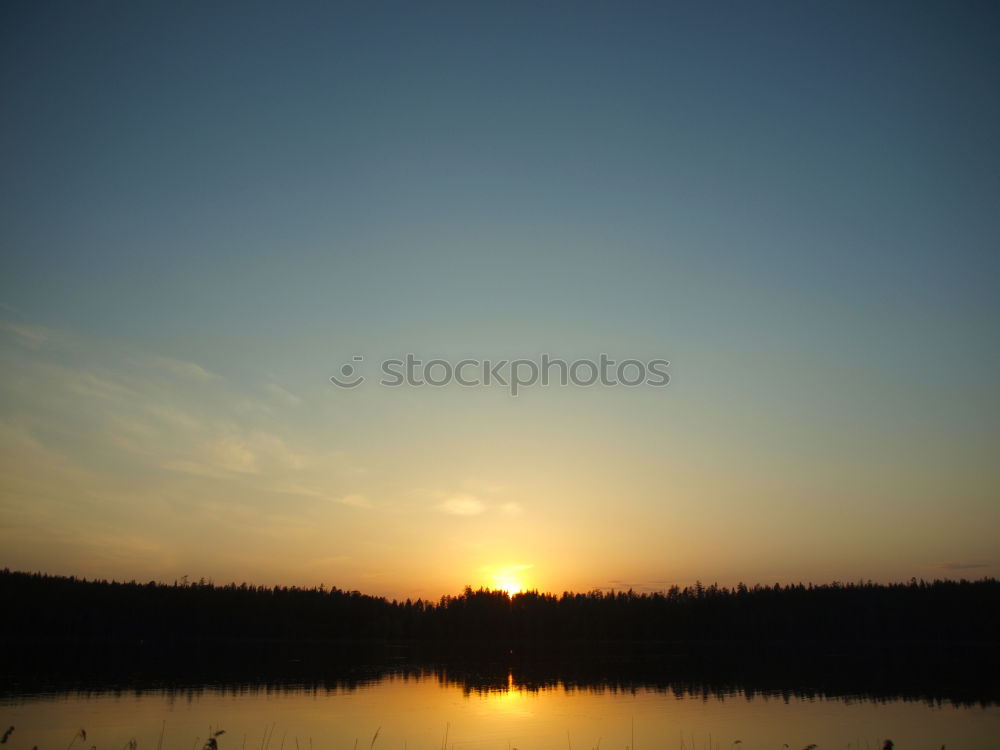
{"points": [[209, 209]]}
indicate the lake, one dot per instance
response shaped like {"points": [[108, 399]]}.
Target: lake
{"points": [[428, 708]]}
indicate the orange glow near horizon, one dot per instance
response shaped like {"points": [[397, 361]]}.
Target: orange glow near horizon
{"points": [[509, 585], [510, 579]]}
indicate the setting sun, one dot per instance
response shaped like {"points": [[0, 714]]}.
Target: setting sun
{"points": [[510, 580], [507, 583]]}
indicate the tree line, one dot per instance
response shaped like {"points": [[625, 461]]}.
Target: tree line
{"points": [[40, 606]]}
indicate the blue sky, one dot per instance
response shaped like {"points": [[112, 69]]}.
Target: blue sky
{"points": [[795, 203]]}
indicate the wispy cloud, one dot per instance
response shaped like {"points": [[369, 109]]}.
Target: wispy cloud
{"points": [[116, 460], [354, 500], [195, 468], [98, 386], [175, 417], [232, 454], [31, 336], [466, 502], [275, 449], [508, 570], [283, 397], [462, 505], [181, 369]]}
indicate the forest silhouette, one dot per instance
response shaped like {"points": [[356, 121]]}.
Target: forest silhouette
{"points": [[39, 606]]}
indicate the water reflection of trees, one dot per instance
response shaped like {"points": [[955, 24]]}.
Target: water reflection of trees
{"points": [[484, 680]]}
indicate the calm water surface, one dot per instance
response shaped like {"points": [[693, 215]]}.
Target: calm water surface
{"points": [[416, 711]]}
